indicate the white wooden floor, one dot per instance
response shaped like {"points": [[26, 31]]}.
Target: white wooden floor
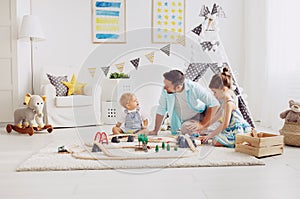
{"points": [[280, 178]]}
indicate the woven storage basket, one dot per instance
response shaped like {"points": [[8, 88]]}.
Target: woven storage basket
{"points": [[291, 133]]}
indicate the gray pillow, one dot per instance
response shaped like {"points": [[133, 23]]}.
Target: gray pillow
{"points": [[56, 81]]}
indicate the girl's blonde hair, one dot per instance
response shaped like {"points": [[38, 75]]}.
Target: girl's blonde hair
{"points": [[125, 98], [218, 81]]}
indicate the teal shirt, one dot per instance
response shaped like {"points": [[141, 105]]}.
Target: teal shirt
{"points": [[197, 97]]}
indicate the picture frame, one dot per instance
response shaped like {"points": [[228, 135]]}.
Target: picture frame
{"points": [[168, 21], [108, 21]]}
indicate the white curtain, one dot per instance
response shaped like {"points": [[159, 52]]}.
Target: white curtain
{"points": [[283, 59]]}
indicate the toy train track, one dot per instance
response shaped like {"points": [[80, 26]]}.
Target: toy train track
{"points": [[108, 152]]}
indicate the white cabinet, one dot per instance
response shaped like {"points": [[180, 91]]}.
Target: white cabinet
{"points": [[112, 91], [109, 112]]}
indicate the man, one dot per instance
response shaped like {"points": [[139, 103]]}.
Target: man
{"points": [[189, 105]]}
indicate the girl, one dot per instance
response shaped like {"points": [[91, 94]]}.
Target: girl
{"points": [[233, 122]]}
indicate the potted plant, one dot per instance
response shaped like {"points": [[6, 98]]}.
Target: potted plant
{"points": [[117, 75]]}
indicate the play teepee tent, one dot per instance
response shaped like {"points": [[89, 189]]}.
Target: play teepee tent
{"points": [[210, 44]]}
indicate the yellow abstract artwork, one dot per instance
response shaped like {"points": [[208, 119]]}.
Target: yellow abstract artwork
{"points": [[168, 20]]}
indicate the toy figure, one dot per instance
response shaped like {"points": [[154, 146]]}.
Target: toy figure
{"points": [[144, 139], [168, 147], [163, 145], [156, 148], [30, 119]]}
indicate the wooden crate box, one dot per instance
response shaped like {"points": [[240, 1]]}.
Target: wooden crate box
{"points": [[259, 144]]}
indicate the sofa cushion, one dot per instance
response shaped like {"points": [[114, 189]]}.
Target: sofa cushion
{"points": [[73, 100], [56, 81], [74, 87]]}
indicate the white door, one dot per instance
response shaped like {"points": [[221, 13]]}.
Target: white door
{"points": [[8, 66]]}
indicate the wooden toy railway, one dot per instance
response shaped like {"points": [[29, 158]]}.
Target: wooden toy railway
{"points": [[112, 151]]}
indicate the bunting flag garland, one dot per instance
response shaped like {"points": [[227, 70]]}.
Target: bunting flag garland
{"points": [[105, 70], [120, 66], [166, 49], [214, 9], [92, 71], [181, 40], [215, 68], [204, 12], [208, 45], [197, 30], [221, 13], [135, 63], [150, 57], [196, 70]]}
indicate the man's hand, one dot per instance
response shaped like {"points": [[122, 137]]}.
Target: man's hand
{"points": [[195, 126]]}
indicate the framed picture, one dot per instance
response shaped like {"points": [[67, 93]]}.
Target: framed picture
{"points": [[168, 20], [109, 21]]}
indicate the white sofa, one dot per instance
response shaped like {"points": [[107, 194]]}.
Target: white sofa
{"points": [[74, 110]]}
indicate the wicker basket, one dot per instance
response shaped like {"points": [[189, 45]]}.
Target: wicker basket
{"points": [[291, 133]]}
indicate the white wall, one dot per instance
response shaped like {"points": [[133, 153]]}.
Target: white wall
{"points": [[255, 55], [67, 25]]}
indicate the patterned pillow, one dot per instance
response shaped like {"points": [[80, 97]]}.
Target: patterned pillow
{"points": [[74, 87], [56, 81]]}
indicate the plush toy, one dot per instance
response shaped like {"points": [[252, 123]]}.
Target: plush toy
{"points": [[27, 116], [293, 114], [28, 119]]}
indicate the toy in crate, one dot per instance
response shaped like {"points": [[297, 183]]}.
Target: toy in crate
{"points": [[259, 144], [291, 127]]}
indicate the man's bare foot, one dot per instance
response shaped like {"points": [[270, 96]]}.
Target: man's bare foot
{"points": [[217, 144]]}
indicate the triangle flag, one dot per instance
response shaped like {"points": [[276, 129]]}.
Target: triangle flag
{"points": [[120, 66], [105, 70], [150, 57], [166, 49], [92, 71], [197, 30], [206, 45], [181, 40], [215, 68], [204, 12], [214, 9], [196, 70], [135, 63]]}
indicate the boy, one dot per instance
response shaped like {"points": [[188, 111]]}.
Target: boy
{"points": [[134, 120]]}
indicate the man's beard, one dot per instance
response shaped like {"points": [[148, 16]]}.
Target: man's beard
{"points": [[169, 92]]}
